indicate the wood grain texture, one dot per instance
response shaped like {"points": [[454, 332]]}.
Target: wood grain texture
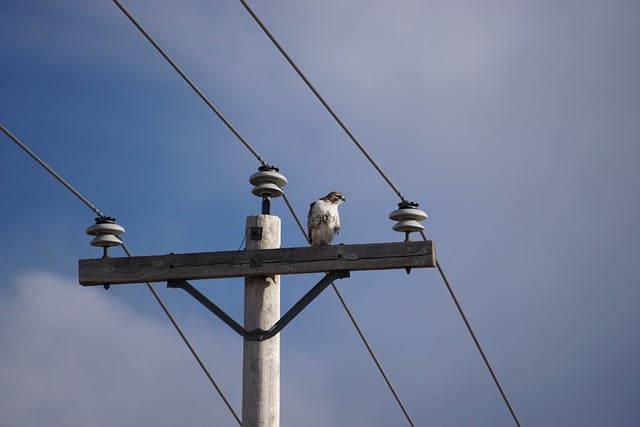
{"points": [[262, 262], [261, 359]]}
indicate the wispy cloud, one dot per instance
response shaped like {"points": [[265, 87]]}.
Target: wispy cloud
{"points": [[73, 356]]}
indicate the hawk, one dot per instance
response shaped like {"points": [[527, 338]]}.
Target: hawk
{"points": [[323, 220]]}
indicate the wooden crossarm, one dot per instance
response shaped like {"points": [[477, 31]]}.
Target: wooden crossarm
{"points": [[247, 263]]}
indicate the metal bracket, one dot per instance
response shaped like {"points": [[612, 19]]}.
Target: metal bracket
{"points": [[260, 334], [255, 233]]}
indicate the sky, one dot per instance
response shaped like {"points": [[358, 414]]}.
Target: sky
{"points": [[514, 125]]}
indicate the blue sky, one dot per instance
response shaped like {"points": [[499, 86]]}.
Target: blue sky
{"points": [[515, 125]]}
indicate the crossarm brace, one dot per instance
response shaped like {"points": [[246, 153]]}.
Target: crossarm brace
{"points": [[261, 334]]}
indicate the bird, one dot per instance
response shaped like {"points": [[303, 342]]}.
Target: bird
{"points": [[323, 220]]}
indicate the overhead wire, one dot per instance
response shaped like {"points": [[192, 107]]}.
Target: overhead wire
{"points": [[357, 327], [295, 216], [475, 339], [52, 172], [264, 163], [188, 344], [373, 356], [323, 101], [403, 199], [191, 84], [156, 296]]}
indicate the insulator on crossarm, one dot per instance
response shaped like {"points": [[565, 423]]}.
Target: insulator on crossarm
{"points": [[408, 218], [268, 183], [106, 233]]}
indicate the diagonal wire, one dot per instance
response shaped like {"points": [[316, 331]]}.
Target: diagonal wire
{"points": [[52, 172], [295, 216], [153, 292], [264, 163], [381, 172], [353, 139], [188, 344], [373, 356], [475, 339], [356, 325], [322, 100], [193, 86]]}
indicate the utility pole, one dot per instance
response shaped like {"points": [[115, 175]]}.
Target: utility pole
{"points": [[261, 264], [261, 359]]}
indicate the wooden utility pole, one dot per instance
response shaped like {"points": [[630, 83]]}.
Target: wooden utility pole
{"points": [[261, 359], [261, 264]]}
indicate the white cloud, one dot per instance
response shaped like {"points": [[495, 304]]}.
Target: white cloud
{"points": [[74, 356], [80, 356]]}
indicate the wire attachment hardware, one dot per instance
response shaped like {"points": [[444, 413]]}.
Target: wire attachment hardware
{"points": [[106, 233], [408, 216], [268, 182]]}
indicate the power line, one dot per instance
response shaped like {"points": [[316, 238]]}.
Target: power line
{"points": [[295, 216], [188, 344], [52, 172], [372, 354], [346, 308], [323, 101], [475, 339], [264, 163], [193, 86], [153, 292], [358, 145], [373, 163], [385, 177]]}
